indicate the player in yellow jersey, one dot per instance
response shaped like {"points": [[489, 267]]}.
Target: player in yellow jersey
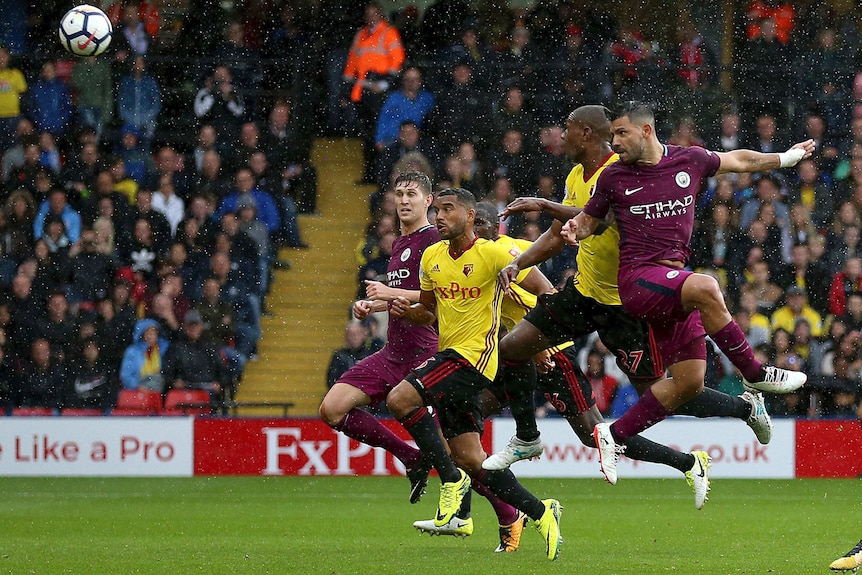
{"points": [[459, 289], [590, 302]]}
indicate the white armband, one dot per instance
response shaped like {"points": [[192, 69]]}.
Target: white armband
{"points": [[791, 157]]}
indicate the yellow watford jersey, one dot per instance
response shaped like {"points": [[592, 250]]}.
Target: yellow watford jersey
{"points": [[519, 301], [598, 255], [469, 299]]}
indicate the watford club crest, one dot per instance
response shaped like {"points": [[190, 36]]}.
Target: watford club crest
{"points": [[468, 269]]}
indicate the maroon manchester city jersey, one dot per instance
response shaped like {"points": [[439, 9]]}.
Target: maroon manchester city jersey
{"points": [[654, 205], [404, 338]]}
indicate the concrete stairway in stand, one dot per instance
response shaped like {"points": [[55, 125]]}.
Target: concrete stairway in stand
{"points": [[310, 302]]}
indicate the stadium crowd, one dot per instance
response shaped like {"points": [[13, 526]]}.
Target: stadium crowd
{"points": [[158, 179]]}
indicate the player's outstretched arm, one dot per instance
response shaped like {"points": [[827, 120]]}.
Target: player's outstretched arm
{"points": [[422, 313], [579, 227], [530, 204], [378, 291], [547, 246], [752, 161], [536, 283]]}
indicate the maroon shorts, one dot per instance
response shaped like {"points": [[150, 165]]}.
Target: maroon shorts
{"points": [[378, 373], [652, 292]]}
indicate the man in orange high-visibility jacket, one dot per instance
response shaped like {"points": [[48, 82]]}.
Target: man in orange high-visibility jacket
{"points": [[376, 55], [373, 64]]}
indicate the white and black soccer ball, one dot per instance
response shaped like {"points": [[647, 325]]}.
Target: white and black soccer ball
{"points": [[85, 31]]}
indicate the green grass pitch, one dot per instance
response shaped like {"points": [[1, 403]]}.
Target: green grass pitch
{"points": [[359, 525]]}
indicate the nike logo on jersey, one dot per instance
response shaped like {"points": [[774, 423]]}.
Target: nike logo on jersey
{"points": [[630, 192]]}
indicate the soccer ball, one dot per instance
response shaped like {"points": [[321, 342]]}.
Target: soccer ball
{"points": [[85, 31]]}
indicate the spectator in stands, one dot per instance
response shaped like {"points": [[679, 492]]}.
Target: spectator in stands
{"points": [[795, 308], [219, 320], [461, 111], [412, 102], [512, 161], [114, 324], [141, 251], [766, 137], [193, 362], [811, 191], [24, 176], [279, 189], [483, 59], [23, 307], [57, 206], [94, 382], [10, 99], [207, 141], [288, 52], [373, 64], [104, 191], [767, 292], [242, 60], [766, 69], [845, 282], [42, 378], [143, 359], [130, 38], [410, 139], [139, 162], [139, 101], [122, 182], [50, 102], [237, 291], [57, 325], [520, 62], [246, 216], [826, 151], [267, 209], [604, 386], [166, 202], [354, 349], [810, 275], [552, 158], [211, 179], [757, 330], [158, 221], [768, 188], [512, 114], [221, 103], [90, 272], [14, 156], [92, 82], [168, 161], [17, 236]]}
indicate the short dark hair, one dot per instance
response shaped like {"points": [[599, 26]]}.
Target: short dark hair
{"points": [[416, 177], [487, 211], [464, 197], [639, 112]]}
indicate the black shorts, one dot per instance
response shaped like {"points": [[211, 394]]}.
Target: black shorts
{"points": [[568, 314], [451, 385], [566, 387]]}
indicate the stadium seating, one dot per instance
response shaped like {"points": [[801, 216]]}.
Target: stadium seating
{"points": [[81, 412], [138, 402], [187, 402], [34, 411]]}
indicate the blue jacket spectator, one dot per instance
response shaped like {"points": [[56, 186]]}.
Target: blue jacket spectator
{"points": [[50, 102], [58, 205], [411, 102], [142, 361], [267, 209], [139, 100]]}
